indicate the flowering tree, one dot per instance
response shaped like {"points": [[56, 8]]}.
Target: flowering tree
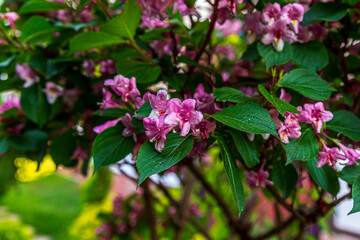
{"points": [[274, 86]]}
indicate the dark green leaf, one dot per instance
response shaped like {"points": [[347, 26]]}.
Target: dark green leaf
{"points": [[35, 27], [312, 55], [356, 196], [4, 144], [143, 72], [233, 174], [307, 83], [325, 176], [151, 162], [111, 112], [62, 148], [31, 140], [303, 148], [90, 40], [350, 173], [249, 151], [284, 178], [144, 110], [34, 105], [125, 24], [247, 117], [272, 57], [329, 11], [280, 105], [345, 123], [40, 6], [7, 170], [227, 94], [110, 146], [154, 35], [12, 83]]}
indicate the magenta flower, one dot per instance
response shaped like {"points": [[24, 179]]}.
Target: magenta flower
{"points": [[271, 12], [252, 26], [184, 114], [124, 87], [350, 153], [230, 27], [285, 96], [140, 101], [11, 17], [203, 129], [258, 179], [53, 91], [103, 127], [27, 74], [274, 113], [108, 102], [79, 153], [107, 67], [159, 103], [293, 13], [156, 131], [129, 130], [315, 115], [204, 100], [15, 129], [151, 23], [10, 103], [277, 34], [329, 156], [70, 96], [290, 129]]}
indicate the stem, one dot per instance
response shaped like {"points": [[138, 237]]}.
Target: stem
{"points": [[106, 11], [149, 211], [277, 230], [142, 52]]}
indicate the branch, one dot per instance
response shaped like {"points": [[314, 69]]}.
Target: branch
{"points": [[104, 9], [277, 230], [149, 211]]}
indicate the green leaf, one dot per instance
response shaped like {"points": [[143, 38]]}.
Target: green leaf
{"points": [[143, 72], [307, 83], [228, 94], [312, 55], [110, 146], [328, 11], [284, 178], [7, 170], [90, 40], [247, 117], [325, 176], [356, 196], [233, 174], [144, 110], [249, 151], [151, 162], [62, 148], [346, 123], [272, 57], [36, 6], [34, 104], [12, 83], [280, 105], [303, 148], [35, 27], [4, 144], [350, 173], [154, 35], [31, 140], [125, 24], [111, 112]]}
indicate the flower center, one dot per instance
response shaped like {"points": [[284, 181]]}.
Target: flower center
{"points": [[184, 114]]}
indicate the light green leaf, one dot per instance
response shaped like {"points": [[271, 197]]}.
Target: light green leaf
{"points": [[346, 123], [36, 6], [228, 94], [247, 117], [312, 55], [280, 105], [154, 35], [249, 151], [272, 57], [35, 27], [150, 162], [307, 83]]}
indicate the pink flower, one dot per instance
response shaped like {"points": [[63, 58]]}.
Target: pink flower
{"points": [[140, 101], [252, 26], [350, 153], [156, 131], [64, 15], [258, 179], [27, 74], [52, 92], [10, 103], [70, 96], [293, 13], [277, 34], [159, 104], [290, 129], [271, 12], [195, 210], [129, 130], [124, 87], [79, 153], [230, 27], [203, 129], [11, 17], [15, 129], [100, 128], [107, 68], [329, 156], [204, 100], [151, 23], [184, 114], [285, 96], [108, 102], [89, 67], [315, 115]]}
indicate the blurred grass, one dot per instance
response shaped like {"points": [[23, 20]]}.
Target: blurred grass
{"points": [[49, 204]]}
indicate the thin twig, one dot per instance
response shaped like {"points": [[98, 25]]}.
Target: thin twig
{"points": [[149, 211], [104, 9], [280, 227]]}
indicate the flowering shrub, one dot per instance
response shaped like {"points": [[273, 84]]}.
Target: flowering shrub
{"points": [[274, 85]]}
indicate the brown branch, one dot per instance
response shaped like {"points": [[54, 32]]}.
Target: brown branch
{"points": [[277, 230], [149, 211], [104, 9]]}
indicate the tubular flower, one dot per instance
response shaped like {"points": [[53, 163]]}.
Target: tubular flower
{"points": [[159, 103], [329, 156], [258, 179], [27, 74], [350, 153], [156, 131], [315, 115], [293, 13], [290, 129], [124, 87], [276, 34], [53, 91]]}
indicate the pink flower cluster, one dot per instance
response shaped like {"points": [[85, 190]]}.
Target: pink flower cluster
{"points": [[107, 67], [27, 74], [331, 155]]}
